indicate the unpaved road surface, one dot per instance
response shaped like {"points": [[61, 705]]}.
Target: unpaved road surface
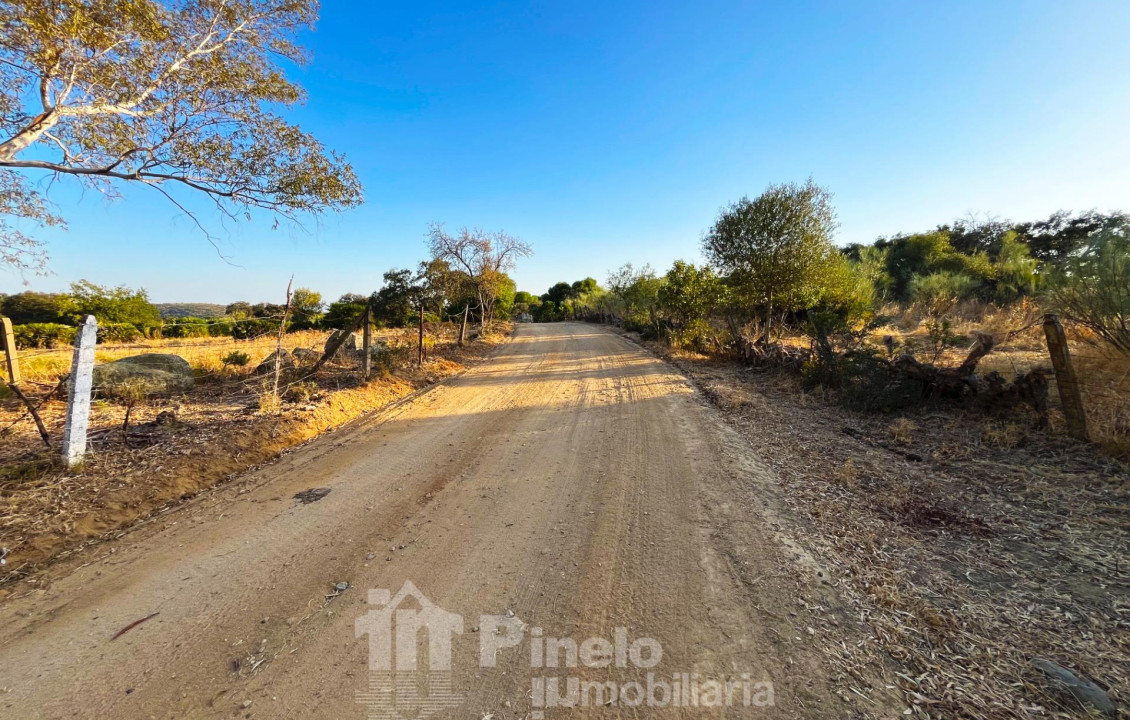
{"points": [[572, 483]]}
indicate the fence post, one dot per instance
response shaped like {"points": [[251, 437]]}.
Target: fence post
{"points": [[420, 349], [78, 394], [9, 342], [1065, 378], [279, 345], [367, 343]]}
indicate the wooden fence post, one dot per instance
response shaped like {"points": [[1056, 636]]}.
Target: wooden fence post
{"points": [[367, 343], [1065, 378], [9, 341], [420, 350], [78, 394], [278, 345]]}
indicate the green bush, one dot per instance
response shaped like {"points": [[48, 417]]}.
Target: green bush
{"points": [[221, 328], [118, 332], [1091, 289], [236, 359], [43, 335], [186, 327], [305, 321], [252, 327], [940, 291], [866, 381]]}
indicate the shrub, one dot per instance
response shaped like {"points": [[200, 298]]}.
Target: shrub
{"points": [[43, 335], [118, 332], [941, 334], [1091, 289], [220, 329], [251, 328], [236, 359], [300, 392], [940, 291], [866, 381], [186, 327]]}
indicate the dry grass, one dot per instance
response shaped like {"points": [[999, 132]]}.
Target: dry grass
{"points": [[1104, 374], [218, 430], [993, 545], [203, 354]]}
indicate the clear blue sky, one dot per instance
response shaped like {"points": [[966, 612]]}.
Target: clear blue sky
{"points": [[612, 132]]}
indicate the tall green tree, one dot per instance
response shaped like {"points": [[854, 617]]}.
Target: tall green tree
{"points": [[775, 247], [114, 305], [177, 95]]}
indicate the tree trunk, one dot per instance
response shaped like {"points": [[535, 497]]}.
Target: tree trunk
{"points": [[463, 327], [367, 344], [282, 330], [768, 336]]}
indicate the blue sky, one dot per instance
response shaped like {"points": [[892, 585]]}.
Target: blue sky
{"points": [[605, 133]]}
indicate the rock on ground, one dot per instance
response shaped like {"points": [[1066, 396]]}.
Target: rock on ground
{"points": [[268, 364], [1082, 689], [148, 374]]}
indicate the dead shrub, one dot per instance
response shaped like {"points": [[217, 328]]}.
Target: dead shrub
{"points": [[847, 474], [902, 430], [1002, 435]]}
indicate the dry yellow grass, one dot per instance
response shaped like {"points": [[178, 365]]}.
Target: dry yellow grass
{"points": [[1104, 374], [218, 430], [203, 354]]}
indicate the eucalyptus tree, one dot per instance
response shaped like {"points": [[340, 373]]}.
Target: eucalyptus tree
{"points": [[182, 95]]}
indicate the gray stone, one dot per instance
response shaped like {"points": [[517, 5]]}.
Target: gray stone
{"points": [[306, 355], [353, 343], [1082, 689], [267, 367], [149, 374]]}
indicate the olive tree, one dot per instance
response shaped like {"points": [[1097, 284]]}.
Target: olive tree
{"points": [[177, 96], [774, 248]]}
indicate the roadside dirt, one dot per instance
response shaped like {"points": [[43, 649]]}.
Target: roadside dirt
{"points": [[971, 545], [574, 481], [49, 512]]}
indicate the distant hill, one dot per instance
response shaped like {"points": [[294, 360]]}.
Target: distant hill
{"points": [[176, 310]]}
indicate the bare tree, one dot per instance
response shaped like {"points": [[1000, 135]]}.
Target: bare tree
{"points": [[485, 257]]}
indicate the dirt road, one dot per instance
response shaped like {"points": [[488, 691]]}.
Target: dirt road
{"points": [[573, 483]]}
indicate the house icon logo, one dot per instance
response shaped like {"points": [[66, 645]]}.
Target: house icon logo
{"points": [[403, 685]]}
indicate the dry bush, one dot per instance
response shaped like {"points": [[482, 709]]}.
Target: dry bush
{"points": [[847, 474], [1104, 379], [902, 430], [1002, 435]]}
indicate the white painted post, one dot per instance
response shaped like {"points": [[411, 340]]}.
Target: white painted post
{"points": [[78, 395]]}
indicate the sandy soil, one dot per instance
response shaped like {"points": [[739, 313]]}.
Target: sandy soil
{"points": [[573, 481]]}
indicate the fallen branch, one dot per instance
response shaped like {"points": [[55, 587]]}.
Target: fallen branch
{"points": [[34, 413], [134, 624]]}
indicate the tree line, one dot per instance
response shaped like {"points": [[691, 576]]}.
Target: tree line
{"points": [[771, 265], [466, 275]]}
